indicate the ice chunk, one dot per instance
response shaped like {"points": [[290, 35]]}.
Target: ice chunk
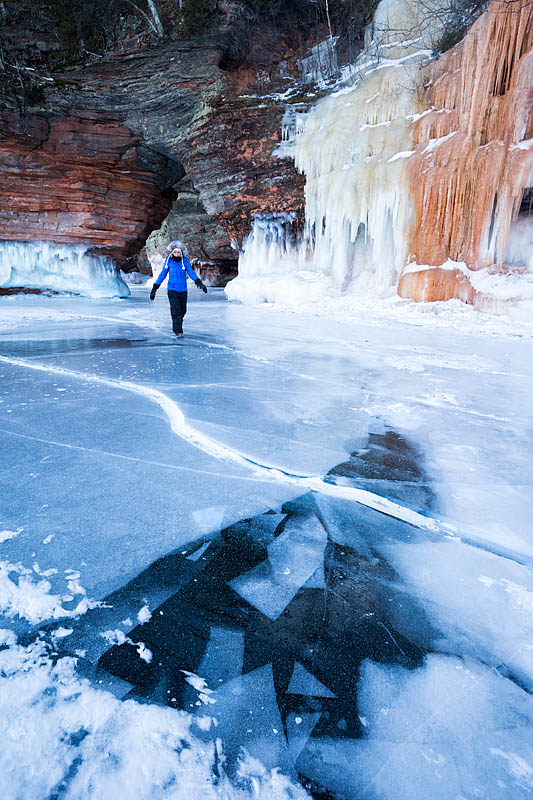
{"points": [[144, 615], [61, 633], [263, 527], [299, 729], [316, 581], [339, 520], [144, 652], [248, 717], [223, 656], [302, 682], [292, 558], [7, 637], [6, 535], [199, 552], [209, 519], [200, 684], [118, 637], [33, 600]]}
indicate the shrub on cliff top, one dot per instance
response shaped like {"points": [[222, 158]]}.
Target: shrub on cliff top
{"points": [[278, 8], [84, 26], [197, 16]]}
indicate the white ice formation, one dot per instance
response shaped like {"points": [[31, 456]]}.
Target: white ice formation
{"points": [[59, 267], [351, 148], [354, 147]]}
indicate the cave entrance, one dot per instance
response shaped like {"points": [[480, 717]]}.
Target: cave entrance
{"points": [[519, 248], [526, 206], [208, 246]]}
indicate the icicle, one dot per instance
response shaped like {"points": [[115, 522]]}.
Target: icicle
{"points": [[273, 265], [292, 124]]}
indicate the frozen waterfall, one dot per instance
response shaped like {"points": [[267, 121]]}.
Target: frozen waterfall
{"points": [[352, 148], [408, 160], [59, 267], [276, 264]]}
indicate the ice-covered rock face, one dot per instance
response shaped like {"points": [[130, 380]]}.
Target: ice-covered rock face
{"points": [[351, 148], [353, 152], [412, 161], [61, 268]]}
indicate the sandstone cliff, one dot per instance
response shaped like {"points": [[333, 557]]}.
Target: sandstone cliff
{"points": [[414, 179], [116, 142]]}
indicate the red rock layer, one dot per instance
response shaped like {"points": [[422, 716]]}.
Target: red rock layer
{"points": [[467, 189], [92, 171], [76, 180], [434, 284]]}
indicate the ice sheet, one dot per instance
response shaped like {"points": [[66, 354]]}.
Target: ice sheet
{"points": [[293, 557], [483, 603], [451, 729], [96, 485]]}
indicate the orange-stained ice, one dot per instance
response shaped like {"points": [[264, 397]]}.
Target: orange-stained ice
{"points": [[467, 189]]}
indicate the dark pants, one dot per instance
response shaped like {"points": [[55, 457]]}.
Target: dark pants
{"points": [[178, 309]]}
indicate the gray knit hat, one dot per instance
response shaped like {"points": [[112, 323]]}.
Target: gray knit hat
{"points": [[176, 244]]}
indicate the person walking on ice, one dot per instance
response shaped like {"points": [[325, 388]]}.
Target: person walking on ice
{"points": [[177, 267]]}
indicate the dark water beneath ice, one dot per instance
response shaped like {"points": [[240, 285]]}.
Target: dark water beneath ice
{"points": [[279, 661]]}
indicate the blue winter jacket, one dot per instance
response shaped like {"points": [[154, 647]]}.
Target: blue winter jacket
{"points": [[177, 273]]}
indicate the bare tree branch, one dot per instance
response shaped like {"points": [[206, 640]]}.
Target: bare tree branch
{"points": [[156, 17], [155, 22]]}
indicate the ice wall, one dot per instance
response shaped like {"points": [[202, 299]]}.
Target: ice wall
{"points": [[352, 148], [352, 152], [62, 268], [416, 161]]}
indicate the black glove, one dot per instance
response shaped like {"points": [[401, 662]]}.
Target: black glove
{"points": [[200, 285], [155, 287]]}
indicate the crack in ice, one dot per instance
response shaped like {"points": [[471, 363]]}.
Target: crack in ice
{"points": [[211, 447], [96, 451]]}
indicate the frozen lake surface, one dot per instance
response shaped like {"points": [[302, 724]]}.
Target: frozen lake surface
{"points": [[283, 556]]}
